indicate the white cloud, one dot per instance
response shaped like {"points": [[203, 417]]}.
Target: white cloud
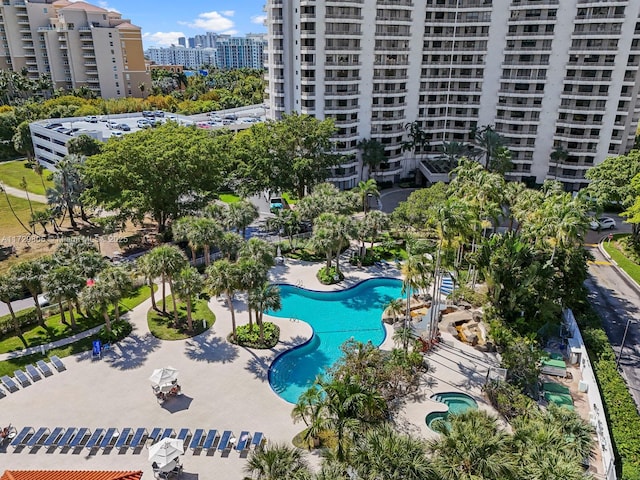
{"points": [[214, 22], [228, 13], [258, 19], [162, 39]]}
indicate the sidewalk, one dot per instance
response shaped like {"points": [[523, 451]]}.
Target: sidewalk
{"points": [[16, 192]]}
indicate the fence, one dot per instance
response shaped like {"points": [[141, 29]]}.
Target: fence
{"points": [[596, 415]]}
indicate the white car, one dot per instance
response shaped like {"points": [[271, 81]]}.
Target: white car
{"points": [[117, 134], [112, 124], [91, 119], [143, 123], [43, 300], [603, 223]]}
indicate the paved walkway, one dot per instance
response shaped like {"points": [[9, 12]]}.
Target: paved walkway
{"points": [[225, 387], [18, 192]]}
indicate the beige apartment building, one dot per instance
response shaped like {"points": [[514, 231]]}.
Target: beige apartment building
{"points": [[77, 44]]}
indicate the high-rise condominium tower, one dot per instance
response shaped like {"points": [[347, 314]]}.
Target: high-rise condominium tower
{"points": [[75, 43], [546, 74]]}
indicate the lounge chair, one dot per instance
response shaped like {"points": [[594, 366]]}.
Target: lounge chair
{"points": [[33, 372], [210, 438], [224, 440], [243, 442], [154, 436], [79, 437], [123, 438], [137, 438], [2, 394], [256, 441], [37, 437], [20, 438], [57, 363], [110, 434], [44, 368], [9, 384], [182, 435], [66, 437], [167, 433], [196, 439], [22, 378], [94, 440], [53, 437]]}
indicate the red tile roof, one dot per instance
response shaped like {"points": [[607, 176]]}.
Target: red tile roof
{"points": [[69, 475]]}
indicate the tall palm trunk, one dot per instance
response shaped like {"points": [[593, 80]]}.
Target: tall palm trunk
{"points": [[116, 310], [153, 295], [72, 317], [207, 254], [164, 295], [259, 320], [329, 258], [233, 315], [6, 196], [107, 320], [14, 319], [173, 301], [189, 319], [78, 309], [34, 295], [62, 317]]}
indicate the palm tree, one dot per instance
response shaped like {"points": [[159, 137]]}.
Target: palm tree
{"points": [[98, 297], [334, 231], [223, 278], [168, 260], [418, 138], [372, 152], [365, 190], [252, 273], [395, 307], [472, 447], [276, 462], [264, 297], [13, 212], [41, 217], [146, 266], [39, 170], [384, 453], [188, 285], [559, 156], [62, 283], [451, 152], [29, 275], [184, 229], [118, 280], [23, 186], [259, 250], [230, 244], [375, 222], [241, 215], [8, 292]]}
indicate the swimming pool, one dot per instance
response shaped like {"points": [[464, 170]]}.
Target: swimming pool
{"points": [[457, 403], [335, 317]]}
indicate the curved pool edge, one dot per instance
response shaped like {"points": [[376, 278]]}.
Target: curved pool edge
{"points": [[313, 333], [447, 409]]}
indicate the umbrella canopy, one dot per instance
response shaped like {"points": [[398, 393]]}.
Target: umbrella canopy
{"points": [[162, 376], [165, 451]]}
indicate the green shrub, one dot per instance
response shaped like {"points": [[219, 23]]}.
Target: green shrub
{"points": [[119, 330], [247, 337], [369, 259], [507, 399], [329, 277], [467, 294], [26, 318]]}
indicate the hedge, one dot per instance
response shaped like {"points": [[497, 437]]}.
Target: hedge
{"points": [[621, 411]]}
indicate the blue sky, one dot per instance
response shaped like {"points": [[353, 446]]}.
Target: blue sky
{"points": [[163, 21]]}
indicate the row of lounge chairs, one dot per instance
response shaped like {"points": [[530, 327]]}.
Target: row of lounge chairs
{"points": [[111, 438], [33, 374]]}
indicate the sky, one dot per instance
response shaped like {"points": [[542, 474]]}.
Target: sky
{"points": [[164, 21]]}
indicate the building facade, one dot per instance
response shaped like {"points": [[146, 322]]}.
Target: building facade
{"points": [[192, 58], [75, 43], [546, 74]]}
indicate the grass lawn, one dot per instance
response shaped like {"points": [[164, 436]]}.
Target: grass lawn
{"points": [[12, 173], [632, 268], [55, 330], [229, 198], [163, 327]]}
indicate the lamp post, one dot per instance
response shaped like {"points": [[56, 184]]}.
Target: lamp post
{"points": [[624, 339], [97, 237]]}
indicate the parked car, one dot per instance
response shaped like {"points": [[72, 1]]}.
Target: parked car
{"points": [[91, 119], [277, 203], [148, 114], [112, 124], [603, 223], [53, 125], [124, 127], [117, 134], [159, 113], [230, 116], [143, 123], [43, 300]]}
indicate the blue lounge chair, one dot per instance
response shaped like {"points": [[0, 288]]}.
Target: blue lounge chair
{"points": [[123, 438], [44, 368], [243, 442], [33, 372], [53, 437], [196, 439], [167, 433], [154, 436], [110, 434], [21, 437], [182, 435], [57, 363], [136, 441], [208, 441], [94, 440], [2, 394], [79, 437], [22, 378], [37, 437], [224, 440], [9, 384], [256, 441], [66, 438]]}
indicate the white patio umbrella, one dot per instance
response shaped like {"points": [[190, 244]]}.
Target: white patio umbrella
{"points": [[165, 451], [163, 376]]}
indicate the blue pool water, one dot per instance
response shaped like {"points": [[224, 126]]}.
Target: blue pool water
{"points": [[335, 317], [457, 403]]}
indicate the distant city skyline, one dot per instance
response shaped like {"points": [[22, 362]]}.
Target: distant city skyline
{"points": [[163, 21]]}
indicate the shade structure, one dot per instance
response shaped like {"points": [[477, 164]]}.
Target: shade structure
{"points": [[163, 376], [165, 451]]}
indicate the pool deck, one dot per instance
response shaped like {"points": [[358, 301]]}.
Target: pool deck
{"points": [[224, 387]]}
